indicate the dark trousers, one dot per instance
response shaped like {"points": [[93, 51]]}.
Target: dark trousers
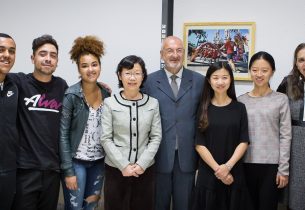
{"points": [[177, 185], [7, 189], [36, 190], [261, 183], [128, 193]]}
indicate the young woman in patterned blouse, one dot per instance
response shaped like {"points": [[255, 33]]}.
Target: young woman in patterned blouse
{"points": [[82, 155]]}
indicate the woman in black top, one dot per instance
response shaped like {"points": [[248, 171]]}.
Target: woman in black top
{"points": [[221, 141]]}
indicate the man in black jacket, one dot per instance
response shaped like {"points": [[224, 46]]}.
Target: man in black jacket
{"points": [[8, 115]]}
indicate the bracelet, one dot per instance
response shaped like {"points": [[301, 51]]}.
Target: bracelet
{"points": [[229, 167]]}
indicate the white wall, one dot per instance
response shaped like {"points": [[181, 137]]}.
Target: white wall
{"points": [[126, 27], [133, 27], [280, 26]]}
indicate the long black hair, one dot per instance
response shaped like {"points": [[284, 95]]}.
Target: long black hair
{"points": [[208, 92]]}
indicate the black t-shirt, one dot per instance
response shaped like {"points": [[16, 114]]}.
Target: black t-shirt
{"points": [[39, 109], [228, 127]]}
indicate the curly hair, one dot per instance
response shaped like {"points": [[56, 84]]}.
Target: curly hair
{"points": [[87, 45]]}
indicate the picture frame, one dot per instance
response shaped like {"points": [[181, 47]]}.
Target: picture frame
{"points": [[209, 42]]}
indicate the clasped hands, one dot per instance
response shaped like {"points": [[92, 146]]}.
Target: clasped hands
{"points": [[223, 173], [133, 170]]}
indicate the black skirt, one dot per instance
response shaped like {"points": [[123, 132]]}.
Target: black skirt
{"points": [[225, 198]]}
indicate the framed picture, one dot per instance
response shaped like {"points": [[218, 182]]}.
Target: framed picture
{"points": [[209, 42]]}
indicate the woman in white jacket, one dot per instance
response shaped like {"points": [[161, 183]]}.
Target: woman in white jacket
{"points": [[131, 136]]}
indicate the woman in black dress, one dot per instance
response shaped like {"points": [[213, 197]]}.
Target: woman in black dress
{"points": [[221, 141]]}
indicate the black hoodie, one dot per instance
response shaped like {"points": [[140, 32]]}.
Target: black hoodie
{"points": [[8, 130]]}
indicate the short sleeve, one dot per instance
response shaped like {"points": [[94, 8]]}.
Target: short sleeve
{"points": [[200, 138], [244, 132]]}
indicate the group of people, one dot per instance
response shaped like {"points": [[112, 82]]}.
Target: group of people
{"points": [[146, 142]]}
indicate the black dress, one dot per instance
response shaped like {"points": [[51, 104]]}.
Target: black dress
{"points": [[228, 127]]}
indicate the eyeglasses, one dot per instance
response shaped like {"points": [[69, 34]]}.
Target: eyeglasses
{"points": [[135, 74], [170, 51]]}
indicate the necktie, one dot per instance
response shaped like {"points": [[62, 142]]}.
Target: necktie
{"points": [[174, 85]]}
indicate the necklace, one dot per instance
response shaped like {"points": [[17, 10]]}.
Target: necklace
{"points": [[94, 99]]}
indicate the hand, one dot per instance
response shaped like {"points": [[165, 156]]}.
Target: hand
{"points": [[281, 181], [222, 172], [129, 171], [71, 182], [228, 180], [138, 169]]}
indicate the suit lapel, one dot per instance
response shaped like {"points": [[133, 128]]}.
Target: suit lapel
{"points": [[163, 85], [186, 83]]}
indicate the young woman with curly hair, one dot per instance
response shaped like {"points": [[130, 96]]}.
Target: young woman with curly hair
{"points": [[82, 155]]}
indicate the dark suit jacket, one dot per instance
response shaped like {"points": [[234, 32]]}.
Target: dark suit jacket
{"points": [[178, 116]]}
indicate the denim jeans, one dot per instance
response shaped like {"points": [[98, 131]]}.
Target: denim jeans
{"points": [[90, 176]]}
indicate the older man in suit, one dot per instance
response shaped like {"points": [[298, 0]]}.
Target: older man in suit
{"points": [[178, 91]]}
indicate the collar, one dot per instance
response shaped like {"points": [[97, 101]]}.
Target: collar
{"points": [[169, 74], [77, 89], [126, 102]]}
